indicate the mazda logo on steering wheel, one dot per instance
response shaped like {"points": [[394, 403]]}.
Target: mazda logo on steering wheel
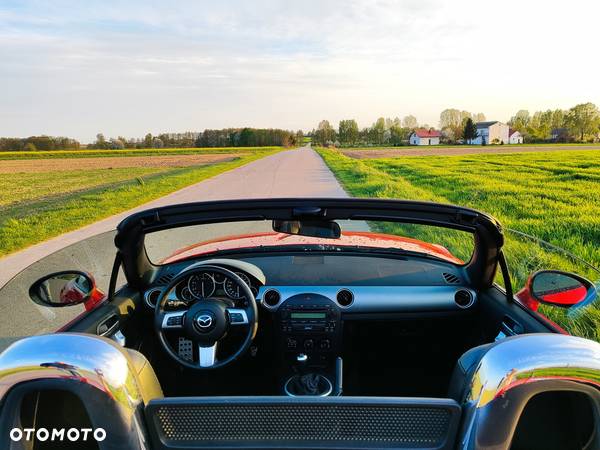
{"points": [[204, 321]]}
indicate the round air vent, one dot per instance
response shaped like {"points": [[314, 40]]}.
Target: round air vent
{"points": [[344, 298], [271, 298], [463, 298], [151, 297]]}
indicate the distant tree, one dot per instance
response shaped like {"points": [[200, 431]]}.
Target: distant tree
{"points": [[147, 142], [378, 132], [540, 125], [325, 134], [479, 117], [520, 121], [410, 122], [157, 143], [117, 144], [100, 142], [398, 134], [348, 132], [469, 131], [452, 123], [30, 147], [558, 119], [583, 120]]}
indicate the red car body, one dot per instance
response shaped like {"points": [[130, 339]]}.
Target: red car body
{"points": [[348, 239]]}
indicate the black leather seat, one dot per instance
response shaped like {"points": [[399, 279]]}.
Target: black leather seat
{"points": [[463, 371]]}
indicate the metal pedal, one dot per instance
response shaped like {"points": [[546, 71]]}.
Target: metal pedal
{"points": [[186, 349]]}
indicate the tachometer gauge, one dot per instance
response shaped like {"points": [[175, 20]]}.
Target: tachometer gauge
{"points": [[232, 289], [201, 285]]}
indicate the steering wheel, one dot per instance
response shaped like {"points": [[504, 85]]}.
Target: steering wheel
{"points": [[206, 322]]}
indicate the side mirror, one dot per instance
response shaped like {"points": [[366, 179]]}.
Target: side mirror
{"points": [[324, 229], [64, 289], [556, 288]]}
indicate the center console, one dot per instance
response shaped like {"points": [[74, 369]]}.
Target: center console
{"points": [[310, 335]]}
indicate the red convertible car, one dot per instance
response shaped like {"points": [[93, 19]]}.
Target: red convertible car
{"points": [[304, 324]]}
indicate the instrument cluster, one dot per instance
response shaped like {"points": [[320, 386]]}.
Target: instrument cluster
{"points": [[212, 284], [203, 285]]}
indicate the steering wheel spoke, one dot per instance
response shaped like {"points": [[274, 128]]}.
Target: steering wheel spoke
{"points": [[173, 320], [237, 316], [207, 355]]}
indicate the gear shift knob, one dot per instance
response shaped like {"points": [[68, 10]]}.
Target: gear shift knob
{"points": [[301, 363]]}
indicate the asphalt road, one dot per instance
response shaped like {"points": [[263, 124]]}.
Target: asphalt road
{"points": [[294, 173]]}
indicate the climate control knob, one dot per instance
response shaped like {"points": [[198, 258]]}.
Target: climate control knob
{"points": [[325, 344]]}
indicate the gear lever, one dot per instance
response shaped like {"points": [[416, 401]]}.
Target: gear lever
{"points": [[305, 383], [302, 360]]}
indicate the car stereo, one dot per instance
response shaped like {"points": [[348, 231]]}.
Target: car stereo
{"points": [[310, 324]]}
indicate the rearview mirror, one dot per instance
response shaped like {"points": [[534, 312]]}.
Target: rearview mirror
{"points": [[314, 228], [63, 289], [562, 289]]}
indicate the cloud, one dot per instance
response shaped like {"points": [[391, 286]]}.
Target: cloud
{"points": [[127, 67]]}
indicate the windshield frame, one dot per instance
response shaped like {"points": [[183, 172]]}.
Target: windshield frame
{"points": [[140, 271]]}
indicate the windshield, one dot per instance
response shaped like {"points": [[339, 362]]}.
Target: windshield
{"points": [[200, 240], [20, 316]]}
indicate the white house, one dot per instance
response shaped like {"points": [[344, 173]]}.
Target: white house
{"points": [[514, 137], [491, 133], [425, 137]]}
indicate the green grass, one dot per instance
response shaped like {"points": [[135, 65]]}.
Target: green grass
{"points": [[35, 207], [467, 147], [19, 191], [131, 152], [550, 195]]}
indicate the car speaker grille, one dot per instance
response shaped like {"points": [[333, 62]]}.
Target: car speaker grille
{"points": [[294, 425], [450, 278]]}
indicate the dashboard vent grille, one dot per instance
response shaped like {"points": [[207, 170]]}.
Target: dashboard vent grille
{"points": [[345, 298], [165, 279], [463, 298], [450, 278], [271, 298]]}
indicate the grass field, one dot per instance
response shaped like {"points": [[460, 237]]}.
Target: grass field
{"points": [[488, 147], [130, 152], [38, 206], [551, 195]]}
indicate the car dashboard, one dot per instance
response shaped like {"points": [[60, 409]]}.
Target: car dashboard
{"points": [[356, 284]]}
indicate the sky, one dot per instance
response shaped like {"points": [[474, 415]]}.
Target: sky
{"points": [[73, 68]]}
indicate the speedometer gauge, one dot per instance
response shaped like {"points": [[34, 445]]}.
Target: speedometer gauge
{"points": [[201, 285], [232, 289]]}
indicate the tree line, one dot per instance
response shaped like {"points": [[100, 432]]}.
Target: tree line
{"points": [[226, 137], [580, 123], [387, 131], [41, 143]]}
